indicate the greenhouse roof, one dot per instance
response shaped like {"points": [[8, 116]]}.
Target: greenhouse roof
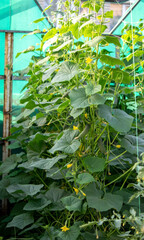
{"points": [[133, 14], [18, 15]]}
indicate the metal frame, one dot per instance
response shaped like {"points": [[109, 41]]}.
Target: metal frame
{"points": [[126, 14]]}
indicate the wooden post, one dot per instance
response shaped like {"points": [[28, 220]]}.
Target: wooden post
{"points": [[7, 100]]}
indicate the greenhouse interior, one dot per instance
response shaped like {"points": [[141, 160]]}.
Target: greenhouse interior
{"points": [[71, 120]]}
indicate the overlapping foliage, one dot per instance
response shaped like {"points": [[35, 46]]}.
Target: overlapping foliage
{"points": [[77, 139]]}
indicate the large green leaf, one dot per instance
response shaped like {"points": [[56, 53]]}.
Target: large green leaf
{"points": [[78, 98], [91, 89], [109, 201], [120, 76], [97, 99], [10, 163], [62, 45], [67, 143], [71, 234], [72, 203], [66, 72], [27, 189], [94, 41], [94, 164], [111, 60], [118, 119], [132, 144], [36, 204], [54, 194], [37, 144], [76, 112], [49, 72], [84, 178], [50, 34], [21, 221], [41, 163], [112, 39], [49, 42], [102, 203]]}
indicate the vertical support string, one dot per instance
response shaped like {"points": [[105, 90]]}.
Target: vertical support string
{"points": [[135, 97]]}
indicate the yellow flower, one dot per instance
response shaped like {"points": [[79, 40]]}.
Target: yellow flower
{"points": [[86, 115], [123, 216], [118, 146], [37, 44], [64, 228], [99, 17], [76, 190], [75, 128], [83, 193], [137, 232], [57, 70], [79, 155], [131, 47], [143, 178], [132, 227], [88, 60], [106, 44], [44, 30], [69, 165]]}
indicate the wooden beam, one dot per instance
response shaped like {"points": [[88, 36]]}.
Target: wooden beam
{"points": [[7, 101]]}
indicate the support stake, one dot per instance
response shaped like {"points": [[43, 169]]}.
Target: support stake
{"points": [[7, 101]]}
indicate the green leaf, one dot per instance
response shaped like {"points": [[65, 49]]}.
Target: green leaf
{"points": [[94, 164], [111, 60], [31, 33], [47, 74], [109, 201], [76, 112], [47, 8], [62, 46], [29, 49], [63, 106], [49, 42], [120, 76], [21, 221], [30, 105], [94, 7], [130, 142], [90, 89], [10, 163], [85, 178], [102, 203], [108, 14], [97, 99], [72, 203], [50, 34], [66, 72], [54, 194], [27, 189], [41, 163], [36, 204], [71, 234], [118, 119], [39, 20], [66, 143], [74, 28], [78, 98], [94, 41], [111, 39]]}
